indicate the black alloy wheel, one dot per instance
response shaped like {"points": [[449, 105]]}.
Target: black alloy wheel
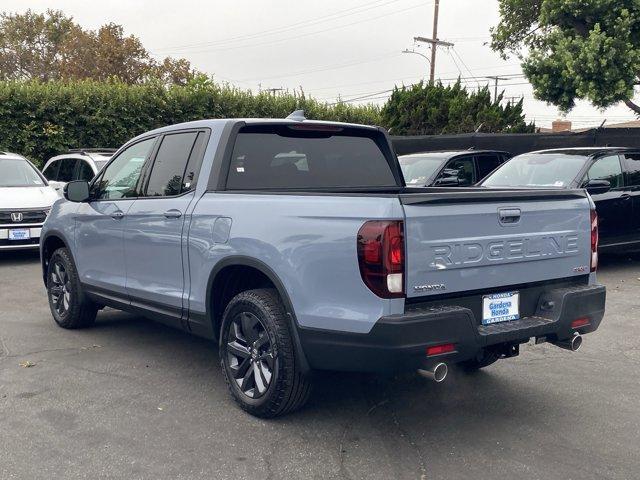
{"points": [[251, 356], [258, 356], [60, 288], [70, 306]]}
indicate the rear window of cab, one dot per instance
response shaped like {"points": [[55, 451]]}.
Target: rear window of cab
{"points": [[294, 157]]}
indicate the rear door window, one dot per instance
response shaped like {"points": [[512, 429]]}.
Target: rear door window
{"points": [[299, 157], [167, 173], [51, 172], [195, 162], [606, 168], [487, 163], [67, 167], [632, 164]]}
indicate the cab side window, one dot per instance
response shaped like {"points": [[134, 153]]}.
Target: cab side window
{"points": [[457, 172], [174, 168], [51, 172], [120, 178], [606, 168]]}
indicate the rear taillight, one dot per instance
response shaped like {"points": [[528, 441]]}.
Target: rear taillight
{"points": [[594, 240], [381, 257]]}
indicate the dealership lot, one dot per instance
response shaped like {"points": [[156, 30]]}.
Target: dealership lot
{"points": [[134, 399]]}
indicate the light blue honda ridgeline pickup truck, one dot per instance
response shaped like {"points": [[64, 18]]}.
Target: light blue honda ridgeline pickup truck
{"points": [[295, 245]]}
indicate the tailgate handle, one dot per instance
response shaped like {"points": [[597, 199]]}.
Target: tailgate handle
{"points": [[509, 215]]}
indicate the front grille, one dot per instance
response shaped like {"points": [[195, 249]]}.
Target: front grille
{"points": [[28, 216]]}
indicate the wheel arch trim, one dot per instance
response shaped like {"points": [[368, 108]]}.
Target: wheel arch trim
{"points": [[43, 240], [267, 271]]}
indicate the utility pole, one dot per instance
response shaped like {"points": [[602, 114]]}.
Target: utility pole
{"points": [[495, 88], [434, 42]]}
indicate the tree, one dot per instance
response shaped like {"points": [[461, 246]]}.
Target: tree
{"points": [[574, 49], [30, 44], [52, 46], [431, 109]]}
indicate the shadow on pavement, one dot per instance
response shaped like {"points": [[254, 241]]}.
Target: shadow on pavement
{"points": [[19, 257]]}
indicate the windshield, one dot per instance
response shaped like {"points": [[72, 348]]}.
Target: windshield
{"points": [[15, 172], [419, 169], [537, 170]]}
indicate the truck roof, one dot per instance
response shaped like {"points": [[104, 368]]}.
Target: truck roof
{"points": [[221, 122]]}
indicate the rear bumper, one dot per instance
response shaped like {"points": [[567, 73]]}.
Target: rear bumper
{"points": [[399, 342]]}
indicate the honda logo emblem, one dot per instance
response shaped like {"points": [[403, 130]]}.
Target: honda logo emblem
{"points": [[17, 216]]}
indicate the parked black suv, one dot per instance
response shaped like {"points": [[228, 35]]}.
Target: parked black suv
{"points": [[610, 175]]}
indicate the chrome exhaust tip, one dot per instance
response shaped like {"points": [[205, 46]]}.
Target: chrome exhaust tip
{"points": [[437, 373], [572, 344]]}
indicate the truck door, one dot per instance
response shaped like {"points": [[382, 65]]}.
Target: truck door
{"points": [[100, 222], [153, 236]]}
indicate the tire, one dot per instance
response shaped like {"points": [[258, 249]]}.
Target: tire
{"points": [[486, 358], [257, 355], [69, 305]]}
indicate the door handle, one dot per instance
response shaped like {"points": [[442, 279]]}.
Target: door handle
{"points": [[173, 213], [117, 215]]}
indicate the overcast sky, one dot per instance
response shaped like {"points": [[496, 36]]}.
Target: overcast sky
{"points": [[330, 48]]}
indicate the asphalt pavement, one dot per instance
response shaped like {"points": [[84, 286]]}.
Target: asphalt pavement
{"points": [[133, 399]]}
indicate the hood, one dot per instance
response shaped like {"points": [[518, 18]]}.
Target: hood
{"points": [[23, 198]]}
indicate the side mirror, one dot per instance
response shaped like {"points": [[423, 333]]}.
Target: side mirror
{"points": [[598, 186], [77, 191]]}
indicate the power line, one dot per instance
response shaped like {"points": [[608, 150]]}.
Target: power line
{"points": [[307, 34], [326, 67], [455, 52], [372, 95], [277, 30]]}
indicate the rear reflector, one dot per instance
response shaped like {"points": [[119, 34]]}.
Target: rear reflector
{"points": [[440, 349], [580, 322]]}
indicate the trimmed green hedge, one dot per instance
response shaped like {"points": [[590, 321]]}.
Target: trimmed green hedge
{"points": [[40, 120]]}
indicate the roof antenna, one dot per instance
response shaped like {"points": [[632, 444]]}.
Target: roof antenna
{"points": [[297, 116]]}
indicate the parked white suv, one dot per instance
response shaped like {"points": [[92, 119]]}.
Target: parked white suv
{"points": [[25, 201], [81, 164]]}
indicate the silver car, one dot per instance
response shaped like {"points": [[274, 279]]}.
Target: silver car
{"points": [[80, 164]]}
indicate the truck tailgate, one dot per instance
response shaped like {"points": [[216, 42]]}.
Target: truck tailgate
{"points": [[478, 239]]}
